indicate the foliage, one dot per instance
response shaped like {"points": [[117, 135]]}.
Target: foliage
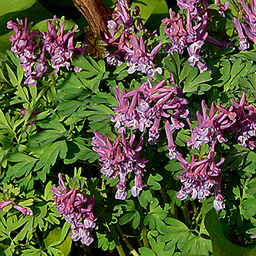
{"points": [[93, 109]]}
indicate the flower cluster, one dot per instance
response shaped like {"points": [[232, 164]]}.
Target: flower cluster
{"points": [[124, 43], [244, 125], [250, 32], [199, 177], [210, 128], [26, 45], [119, 160], [239, 120], [192, 32], [31, 48], [147, 111], [193, 37], [70, 205]]}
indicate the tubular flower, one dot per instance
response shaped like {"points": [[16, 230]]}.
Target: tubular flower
{"points": [[249, 28], [26, 44], [147, 111], [199, 177], [25, 211], [123, 46], [210, 128], [187, 34], [70, 204], [119, 160], [32, 47]]}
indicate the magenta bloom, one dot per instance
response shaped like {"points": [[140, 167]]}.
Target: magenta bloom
{"points": [[118, 160], [210, 128], [187, 34], [147, 107], [25, 211], [4, 203], [249, 28], [199, 177], [138, 59], [123, 46], [70, 204]]}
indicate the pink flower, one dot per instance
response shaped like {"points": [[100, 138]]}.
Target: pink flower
{"points": [[25, 211]]}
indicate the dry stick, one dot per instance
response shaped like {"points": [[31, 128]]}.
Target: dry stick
{"points": [[96, 14]]}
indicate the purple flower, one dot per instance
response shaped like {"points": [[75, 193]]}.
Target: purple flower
{"points": [[244, 123], [138, 59], [123, 45], [119, 160], [25, 44], [171, 146], [25, 211], [4, 203], [249, 28], [191, 36], [151, 101], [199, 177], [210, 128], [222, 7], [70, 204], [243, 42]]}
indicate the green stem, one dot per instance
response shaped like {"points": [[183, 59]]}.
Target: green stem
{"points": [[116, 240], [184, 210], [103, 187], [198, 217], [173, 211], [163, 194], [194, 208], [134, 232], [144, 235], [142, 227], [129, 246]]}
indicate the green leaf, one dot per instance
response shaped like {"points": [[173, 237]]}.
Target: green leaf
{"points": [[145, 197], [160, 12], [127, 218], [238, 70], [197, 246], [220, 244], [14, 6], [53, 239], [136, 220], [146, 252], [50, 155], [153, 181], [175, 233], [195, 83]]}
